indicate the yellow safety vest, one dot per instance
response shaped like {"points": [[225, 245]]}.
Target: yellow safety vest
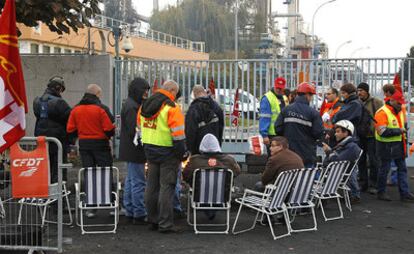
{"points": [[156, 131], [392, 123], [275, 108]]}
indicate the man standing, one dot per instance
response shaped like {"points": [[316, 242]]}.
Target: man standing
{"points": [[270, 106], [203, 116], [94, 125], [346, 149], [391, 137], [367, 142], [52, 113], [162, 129], [301, 125], [332, 107], [133, 153], [352, 108]]}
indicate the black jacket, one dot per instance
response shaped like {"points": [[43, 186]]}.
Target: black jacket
{"points": [[52, 120], [203, 116], [351, 111], [346, 150], [127, 149], [302, 126]]}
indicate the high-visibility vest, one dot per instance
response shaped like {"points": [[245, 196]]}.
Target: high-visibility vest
{"points": [[156, 131], [275, 108], [392, 123]]}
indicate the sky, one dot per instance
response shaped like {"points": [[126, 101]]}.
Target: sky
{"points": [[383, 26]]}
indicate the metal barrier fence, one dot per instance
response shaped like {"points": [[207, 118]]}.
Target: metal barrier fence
{"points": [[22, 226], [253, 78]]}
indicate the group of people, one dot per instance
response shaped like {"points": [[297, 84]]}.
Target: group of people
{"points": [[152, 133], [350, 122], [155, 132]]}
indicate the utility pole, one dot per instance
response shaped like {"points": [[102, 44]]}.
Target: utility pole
{"points": [[236, 31]]}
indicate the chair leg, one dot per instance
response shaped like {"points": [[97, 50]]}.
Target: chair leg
{"points": [[237, 218], [341, 215], [189, 210], [314, 228], [275, 237], [347, 200]]}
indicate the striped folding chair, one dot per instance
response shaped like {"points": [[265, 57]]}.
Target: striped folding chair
{"points": [[96, 190], [301, 196], [269, 203], [328, 185], [343, 185], [211, 190]]}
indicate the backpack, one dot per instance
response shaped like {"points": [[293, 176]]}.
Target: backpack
{"points": [[364, 125]]}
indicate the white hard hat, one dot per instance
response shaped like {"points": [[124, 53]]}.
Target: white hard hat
{"points": [[346, 125]]}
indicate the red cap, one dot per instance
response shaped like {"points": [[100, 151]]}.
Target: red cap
{"points": [[398, 96], [280, 82], [306, 87]]}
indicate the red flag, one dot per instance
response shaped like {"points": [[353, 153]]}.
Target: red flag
{"points": [[322, 107], [13, 104], [235, 114], [212, 88], [397, 83]]}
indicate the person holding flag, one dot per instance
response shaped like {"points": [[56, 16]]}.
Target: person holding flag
{"points": [[270, 106], [13, 103]]}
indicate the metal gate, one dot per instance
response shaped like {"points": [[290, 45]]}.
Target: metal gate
{"points": [[253, 78]]}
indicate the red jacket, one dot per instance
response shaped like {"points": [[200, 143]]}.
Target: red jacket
{"points": [[91, 120]]}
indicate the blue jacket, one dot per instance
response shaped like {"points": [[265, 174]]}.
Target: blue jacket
{"points": [[302, 126], [351, 110], [346, 150], [265, 116]]}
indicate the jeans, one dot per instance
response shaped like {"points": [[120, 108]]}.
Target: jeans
{"points": [[353, 184], [401, 173], [368, 174], [177, 202], [134, 190]]}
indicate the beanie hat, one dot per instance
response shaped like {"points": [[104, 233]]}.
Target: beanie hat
{"points": [[210, 144], [364, 86]]}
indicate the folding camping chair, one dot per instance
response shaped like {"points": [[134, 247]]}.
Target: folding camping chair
{"points": [[328, 185], [269, 203], [96, 190], [301, 196], [343, 185], [211, 191]]}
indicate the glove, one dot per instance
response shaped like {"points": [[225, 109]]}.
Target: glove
{"points": [[326, 117], [137, 138]]}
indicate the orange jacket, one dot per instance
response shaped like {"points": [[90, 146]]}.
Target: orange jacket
{"points": [[331, 108]]}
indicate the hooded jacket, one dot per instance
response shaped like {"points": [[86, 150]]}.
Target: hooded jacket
{"points": [[203, 116], [53, 124], [150, 109], [302, 126], [210, 157], [92, 122], [128, 151]]}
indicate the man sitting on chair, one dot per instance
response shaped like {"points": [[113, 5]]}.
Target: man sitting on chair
{"points": [[346, 149], [210, 157], [281, 159]]}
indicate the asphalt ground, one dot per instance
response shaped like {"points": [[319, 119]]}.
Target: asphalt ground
{"points": [[373, 226]]}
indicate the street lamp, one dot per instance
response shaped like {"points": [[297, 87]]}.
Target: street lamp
{"points": [[340, 46], [359, 49], [313, 23], [236, 31]]}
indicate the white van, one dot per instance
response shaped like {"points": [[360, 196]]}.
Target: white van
{"points": [[248, 104]]}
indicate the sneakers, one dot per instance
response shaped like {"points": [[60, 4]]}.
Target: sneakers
{"points": [[90, 214], [383, 197], [372, 190], [173, 229], [139, 220], [409, 198], [355, 200]]}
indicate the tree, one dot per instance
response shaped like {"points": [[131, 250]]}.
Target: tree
{"points": [[115, 9], [58, 15]]}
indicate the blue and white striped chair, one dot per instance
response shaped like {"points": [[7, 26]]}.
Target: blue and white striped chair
{"points": [[328, 185], [301, 196], [269, 203], [211, 190], [344, 182], [98, 193]]}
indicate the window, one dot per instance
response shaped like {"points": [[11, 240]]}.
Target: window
{"points": [[78, 52], [34, 48], [58, 50], [46, 50], [68, 51]]}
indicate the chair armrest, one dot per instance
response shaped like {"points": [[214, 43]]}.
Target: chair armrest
{"points": [[262, 194]]}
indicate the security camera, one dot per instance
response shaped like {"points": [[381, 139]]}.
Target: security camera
{"points": [[127, 44]]}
